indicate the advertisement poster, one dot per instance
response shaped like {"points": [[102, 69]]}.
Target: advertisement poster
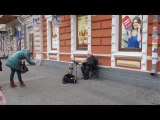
{"points": [[54, 41], [155, 38], [127, 22], [82, 31], [131, 31]]}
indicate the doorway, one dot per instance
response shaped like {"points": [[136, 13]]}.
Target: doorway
{"points": [[31, 45]]}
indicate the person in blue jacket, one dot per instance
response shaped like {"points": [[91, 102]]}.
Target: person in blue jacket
{"points": [[134, 35]]}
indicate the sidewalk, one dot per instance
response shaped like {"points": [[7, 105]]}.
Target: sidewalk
{"points": [[44, 87]]}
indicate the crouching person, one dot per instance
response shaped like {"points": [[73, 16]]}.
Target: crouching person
{"points": [[87, 65], [14, 62]]}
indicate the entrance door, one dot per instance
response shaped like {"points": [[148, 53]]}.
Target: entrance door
{"points": [[31, 44]]}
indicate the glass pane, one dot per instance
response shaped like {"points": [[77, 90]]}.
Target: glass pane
{"points": [[82, 31], [131, 33]]}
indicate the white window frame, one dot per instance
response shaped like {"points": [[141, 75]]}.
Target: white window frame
{"points": [[74, 38], [115, 43], [49, 50]]}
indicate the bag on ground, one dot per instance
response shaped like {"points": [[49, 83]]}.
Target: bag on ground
{"points": [[69, 78]]}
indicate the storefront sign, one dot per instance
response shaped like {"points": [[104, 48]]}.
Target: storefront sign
{"points": [[56, 20], [127, 22], [36, 20]]}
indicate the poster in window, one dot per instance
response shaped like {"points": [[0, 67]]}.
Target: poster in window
{"points": [[82, 31], [131, 33], [54, 37]]}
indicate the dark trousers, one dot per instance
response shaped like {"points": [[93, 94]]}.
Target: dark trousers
{"points": [[13, 72], [85, 71]]}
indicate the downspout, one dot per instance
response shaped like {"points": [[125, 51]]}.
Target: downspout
{"points": [[24, 33]]}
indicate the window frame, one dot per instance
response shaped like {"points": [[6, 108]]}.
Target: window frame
{"points": [[120, 38], [52, 35]]}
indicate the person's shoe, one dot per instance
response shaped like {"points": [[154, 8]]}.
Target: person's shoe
{"points": [[12, 85], [22, 83]]}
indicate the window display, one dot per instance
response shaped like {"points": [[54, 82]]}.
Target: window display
{"points": [[82, 25], [130, 32]]}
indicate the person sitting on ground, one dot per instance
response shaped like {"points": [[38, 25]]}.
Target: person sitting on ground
{"points": [[87, 65]]}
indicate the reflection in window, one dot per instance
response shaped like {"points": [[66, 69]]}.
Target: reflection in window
{"points": [[130, 32], [82, 32]]}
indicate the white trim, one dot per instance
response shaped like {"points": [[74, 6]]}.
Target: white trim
{"points": [[115, 35], [73, 36], [48, 37], [53, 51], [79, 52], [144, 43], [28, 20], [49, 19], [28, 26], [48, 16], [129, 54]]}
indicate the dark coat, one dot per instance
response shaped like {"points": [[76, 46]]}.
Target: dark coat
{"points": [[90, 61], [0, 65], [14, 61]]}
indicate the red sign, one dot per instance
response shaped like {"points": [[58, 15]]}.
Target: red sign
{"points": [[127, 22]]}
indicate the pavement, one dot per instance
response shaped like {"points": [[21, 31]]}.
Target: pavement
{"points": [[44, 87]]}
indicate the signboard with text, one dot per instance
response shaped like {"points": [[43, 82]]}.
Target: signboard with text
{"points": [[36, 20], [127, 22]]}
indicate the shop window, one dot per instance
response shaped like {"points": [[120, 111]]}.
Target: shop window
{"points": [[82, 32], [130, 32], [54, 36]]}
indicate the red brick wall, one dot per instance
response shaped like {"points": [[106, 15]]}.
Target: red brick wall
{"points": [[64, 58], [101, 37], [149, 47], [44, 37], [65, 37]]}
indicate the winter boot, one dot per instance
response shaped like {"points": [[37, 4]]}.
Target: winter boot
{"points": [[12, 85], [22, 83]]}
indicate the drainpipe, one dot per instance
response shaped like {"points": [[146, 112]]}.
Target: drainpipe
{"points": [[154, 45], [18, 18]]}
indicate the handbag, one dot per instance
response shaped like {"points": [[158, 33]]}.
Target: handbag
{"points": [[2, 99], [24, 69], [69, 78]]}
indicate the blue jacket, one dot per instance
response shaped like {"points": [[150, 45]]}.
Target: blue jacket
{"points": [[14, 61]]}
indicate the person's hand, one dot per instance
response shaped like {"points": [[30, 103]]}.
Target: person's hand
{"points": [[139, 27], [129, 33]]}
